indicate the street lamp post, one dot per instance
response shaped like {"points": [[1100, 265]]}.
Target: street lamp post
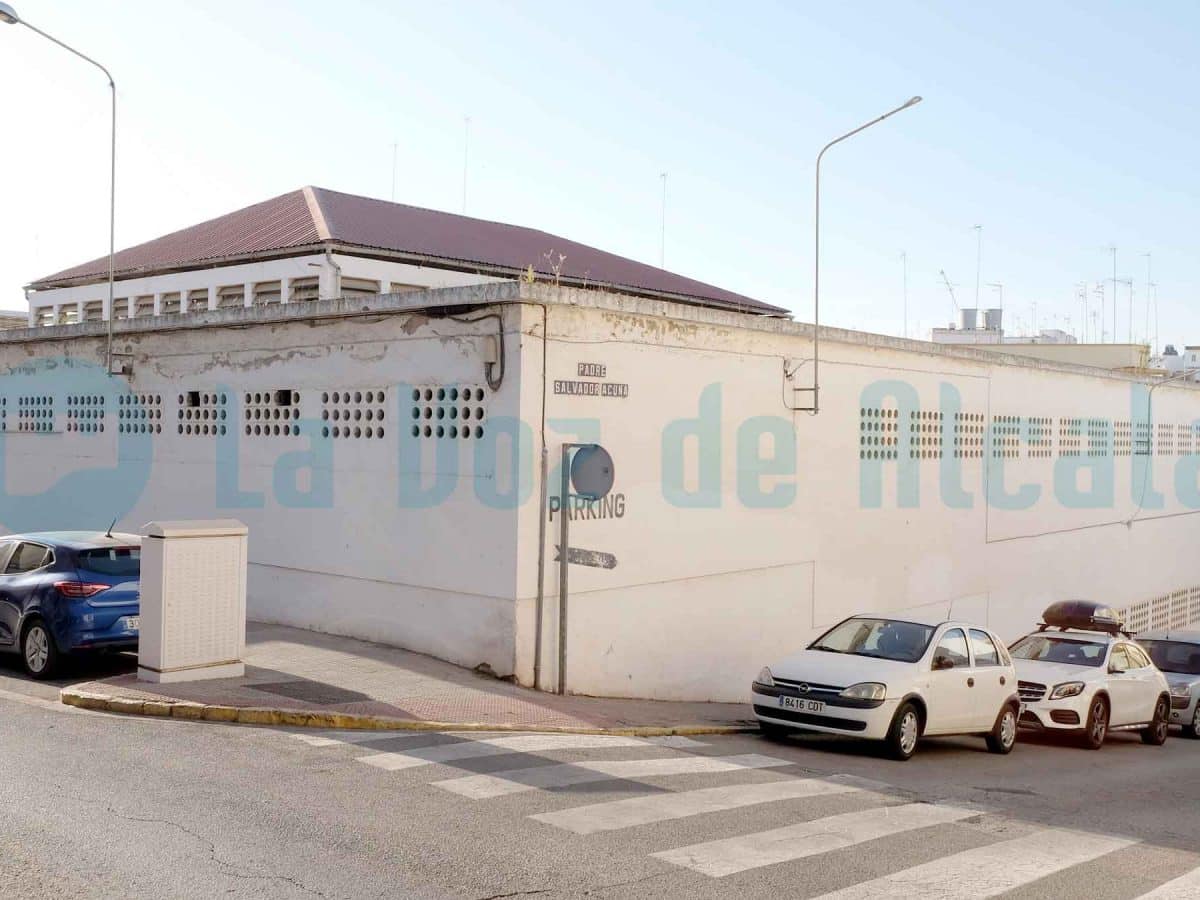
{"points": [[816, 388], [9, 16]]}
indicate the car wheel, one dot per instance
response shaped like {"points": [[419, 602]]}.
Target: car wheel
{"points": [[1156, 734], [902, 737], [1096, 729], [773, 732], [1193, 730], [38, 651], [1004, 733]]}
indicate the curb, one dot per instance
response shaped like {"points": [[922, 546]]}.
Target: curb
{"points": [[295, 718]]}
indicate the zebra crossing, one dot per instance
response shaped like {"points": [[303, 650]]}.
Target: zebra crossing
{"points": [[999, 864]]}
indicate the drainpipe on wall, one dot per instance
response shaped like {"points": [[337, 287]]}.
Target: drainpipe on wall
{"points": [[331, 274]]}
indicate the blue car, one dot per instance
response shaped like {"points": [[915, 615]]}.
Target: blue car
{"points": [[64, 592]]}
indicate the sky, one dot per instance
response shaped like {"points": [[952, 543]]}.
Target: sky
{"points": [[1063, 129]]}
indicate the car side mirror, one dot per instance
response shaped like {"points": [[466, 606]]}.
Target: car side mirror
{"points": [[942, 662]]}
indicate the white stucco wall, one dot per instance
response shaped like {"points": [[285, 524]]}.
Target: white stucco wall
{"points": [[709, 584], [704, 595], [333, 546]]}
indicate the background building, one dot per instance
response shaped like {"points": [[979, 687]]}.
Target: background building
{"points": [[316, 244]]}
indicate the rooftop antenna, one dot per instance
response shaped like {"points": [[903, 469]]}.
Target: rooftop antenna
{"points": [[1081, 296], [978, 260], [1128, 282], [1113, 250], [1149, 279], [1154, 285], [394, 147], [662, 238], [466, 150], [904, 269], [108, 533]]}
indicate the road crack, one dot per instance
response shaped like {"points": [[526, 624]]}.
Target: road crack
{"points": [[231, 869]]}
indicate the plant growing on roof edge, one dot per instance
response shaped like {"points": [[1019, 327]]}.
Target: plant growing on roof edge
{"points": [[555, 267]]}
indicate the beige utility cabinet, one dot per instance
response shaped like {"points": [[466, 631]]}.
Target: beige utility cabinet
{"points": [[193, 606]]}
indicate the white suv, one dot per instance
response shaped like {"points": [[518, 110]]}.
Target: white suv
{"points": [[894, 680], [1080, 673]]}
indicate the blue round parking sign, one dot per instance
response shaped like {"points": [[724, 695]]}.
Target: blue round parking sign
{"points": [[592, 472]]}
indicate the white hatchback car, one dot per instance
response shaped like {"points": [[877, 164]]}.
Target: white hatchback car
{"points": [[894, 680], [1081, 673]]}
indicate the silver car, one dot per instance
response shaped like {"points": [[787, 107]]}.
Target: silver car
{"points": [[1177, 655]]}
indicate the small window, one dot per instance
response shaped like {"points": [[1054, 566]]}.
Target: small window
{"points": [[6, 549], [198, 301], [27, 558], [231, 296], [119, 561], [268, 292], [984, 649], [953, 648]]}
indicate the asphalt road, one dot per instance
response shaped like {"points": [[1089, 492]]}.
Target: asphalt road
{"points": [[94, 805]]}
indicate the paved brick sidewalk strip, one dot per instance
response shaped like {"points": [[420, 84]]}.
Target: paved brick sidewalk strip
{"points": [[297, 677]]}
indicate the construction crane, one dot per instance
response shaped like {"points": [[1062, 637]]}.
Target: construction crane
{"points": [[949, 287]]}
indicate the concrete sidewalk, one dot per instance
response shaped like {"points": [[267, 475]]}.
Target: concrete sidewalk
{"points": [[296, 677]]}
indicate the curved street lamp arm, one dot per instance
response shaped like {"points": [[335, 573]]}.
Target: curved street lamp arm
{"points": [[71, 49], [816, 388], [112, 200]]}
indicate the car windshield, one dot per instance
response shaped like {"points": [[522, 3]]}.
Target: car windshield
{"points": [[1054, 649], [879, 638], [1174, 656], [118, 561]]}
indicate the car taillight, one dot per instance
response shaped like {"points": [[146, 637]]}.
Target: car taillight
{"points": [[78, 589]]}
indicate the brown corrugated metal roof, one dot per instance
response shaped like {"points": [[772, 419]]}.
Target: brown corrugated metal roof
{"points": [[274, 224], [449, 240]]}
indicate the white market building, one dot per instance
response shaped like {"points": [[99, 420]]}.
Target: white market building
{"points": [[386, 448]]}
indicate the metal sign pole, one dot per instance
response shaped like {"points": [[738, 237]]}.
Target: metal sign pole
{"points": [[564, 499]]}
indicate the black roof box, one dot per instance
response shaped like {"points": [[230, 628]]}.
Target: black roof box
{"points": [[1083, 614]]}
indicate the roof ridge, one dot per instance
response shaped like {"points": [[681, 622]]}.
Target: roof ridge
{"points": [[314, 210], [442, 212]]}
